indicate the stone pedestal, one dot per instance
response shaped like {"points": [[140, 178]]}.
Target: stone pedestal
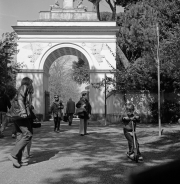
{"points": [[67, 13], [67, 10]]}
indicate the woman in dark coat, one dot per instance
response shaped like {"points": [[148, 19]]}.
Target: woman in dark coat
{"points": [[84, 104]]}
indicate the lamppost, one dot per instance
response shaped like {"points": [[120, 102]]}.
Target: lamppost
{"points": [[159, 82], [105, 106], [7, 51]]}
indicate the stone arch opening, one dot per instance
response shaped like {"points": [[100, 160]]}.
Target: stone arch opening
{"points": [[59, 50], [51, 55]]}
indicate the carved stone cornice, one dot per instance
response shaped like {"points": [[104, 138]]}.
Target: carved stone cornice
{"points": [[65, 30]]}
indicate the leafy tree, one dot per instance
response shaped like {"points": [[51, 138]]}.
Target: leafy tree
{"points": [[114, 3], [106, 16], [8, 65], [61, 82], [80, 72], [137, 32], [139, 42]]}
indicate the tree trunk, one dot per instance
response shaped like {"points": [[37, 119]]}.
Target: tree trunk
{"points": [[114, 12], [98, 12], [122, 57], [96, 9]]}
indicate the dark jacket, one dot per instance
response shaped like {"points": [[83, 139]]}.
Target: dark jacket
{"points": [[56, 109], [70, 109], [127, 120], [4, 103], [87, 106]]}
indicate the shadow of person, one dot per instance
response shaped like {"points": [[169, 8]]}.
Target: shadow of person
{"points": [[42, 156]]}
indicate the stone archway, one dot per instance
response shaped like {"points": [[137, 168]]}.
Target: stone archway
{"points": [[42, 41]]}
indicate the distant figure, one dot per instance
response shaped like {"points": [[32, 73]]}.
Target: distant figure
{"points": [[5, 104], [70, 110], [56, 110], [84, 106]]}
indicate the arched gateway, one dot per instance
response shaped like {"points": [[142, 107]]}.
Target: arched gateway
{"points": [[65, 31]]}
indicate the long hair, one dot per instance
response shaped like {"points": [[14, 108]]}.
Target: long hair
{"points": [[28, 82]]}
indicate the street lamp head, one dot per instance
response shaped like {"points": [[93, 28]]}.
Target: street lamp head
{"points": [[7, 49]]}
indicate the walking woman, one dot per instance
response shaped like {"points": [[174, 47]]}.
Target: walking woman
{"points": [[84, 108], [56, 110], [21, 115]]}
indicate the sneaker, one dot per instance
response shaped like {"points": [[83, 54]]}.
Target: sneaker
{"points": [[14, 161], [130, 155], [13, 136], [140, 158], [57, 131]]}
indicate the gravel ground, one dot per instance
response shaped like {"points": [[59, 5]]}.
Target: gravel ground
{"points": [[98, 158]]}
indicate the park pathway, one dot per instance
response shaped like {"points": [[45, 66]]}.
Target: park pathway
{"points": [[67, 158]]}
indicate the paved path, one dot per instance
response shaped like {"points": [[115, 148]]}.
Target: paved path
{"points": [[67, 158]]}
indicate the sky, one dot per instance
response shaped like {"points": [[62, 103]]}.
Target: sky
{"points": [[13, 10]]}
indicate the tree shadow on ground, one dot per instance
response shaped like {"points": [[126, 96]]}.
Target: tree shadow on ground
{"points": [[100, 156], [96, 158]]}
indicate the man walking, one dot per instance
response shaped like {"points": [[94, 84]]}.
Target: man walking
{"points": [[70, 110]]}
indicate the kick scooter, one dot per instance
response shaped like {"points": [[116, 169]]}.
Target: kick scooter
{"points": [[136, 157]]}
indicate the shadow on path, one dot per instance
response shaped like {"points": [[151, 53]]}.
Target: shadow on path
{"points": [[98, 158]]}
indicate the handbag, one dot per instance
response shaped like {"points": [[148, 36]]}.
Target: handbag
{"points": [[80, 112], [65, 118]]}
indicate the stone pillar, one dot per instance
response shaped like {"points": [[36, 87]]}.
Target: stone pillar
{"points": [[67, 4]]}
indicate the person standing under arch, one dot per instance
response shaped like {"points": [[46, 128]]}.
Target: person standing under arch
{"points": [[70, 110]]}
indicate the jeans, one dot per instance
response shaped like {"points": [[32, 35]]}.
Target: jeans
{"points": [[70, 118], [130, 140], [13, 129], [57, 123], [23, 128]]}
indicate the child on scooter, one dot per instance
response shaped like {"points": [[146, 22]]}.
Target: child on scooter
{"points": [[127, 129]]}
